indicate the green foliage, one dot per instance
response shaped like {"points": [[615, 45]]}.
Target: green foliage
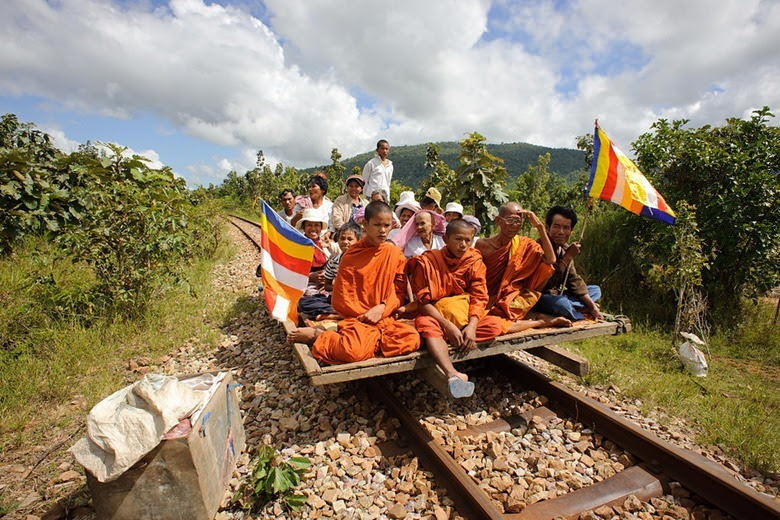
{"points": [[409, 160], [138, 229], [730, 176], [441, 177], [480, 179], [272, 478], [36, 183], [335, 174]]}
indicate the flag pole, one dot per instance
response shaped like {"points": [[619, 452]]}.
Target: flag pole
{"points": [[582, 234]]}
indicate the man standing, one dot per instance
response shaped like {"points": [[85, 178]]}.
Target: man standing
{"points": [[576, 297], [378, 172]]}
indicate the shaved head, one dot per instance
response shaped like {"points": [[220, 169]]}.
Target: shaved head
{"points": [[375, 208], [510, 208], [457, 225]]}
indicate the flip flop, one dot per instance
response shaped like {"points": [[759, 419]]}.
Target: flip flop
{"points": [[460, 388]]}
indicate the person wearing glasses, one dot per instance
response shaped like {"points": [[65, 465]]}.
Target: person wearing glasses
{"points": [[518, 268]]}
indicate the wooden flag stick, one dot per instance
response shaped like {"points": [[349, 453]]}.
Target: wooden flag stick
{"points": [[582, 234]]}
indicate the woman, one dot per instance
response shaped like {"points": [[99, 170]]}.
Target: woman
{"points": [[404, 210], [424, 231], [318, 187], [346, 206]]}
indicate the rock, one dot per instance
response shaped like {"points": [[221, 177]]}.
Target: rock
{"points": [[604, 511], [319, 449], [500, 464], [588, 515], [330, 495], [69, 475], [440, 514], [29, 500], [574, 436], [344, 439], [396, 511], [632, 503], [339, 506]]}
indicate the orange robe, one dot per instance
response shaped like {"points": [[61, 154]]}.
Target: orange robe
{"points": [[457, 287], [368, 276], [516, 275]]}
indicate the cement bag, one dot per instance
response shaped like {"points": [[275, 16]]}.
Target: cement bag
{"points": [[129, 423], [691, 356]]}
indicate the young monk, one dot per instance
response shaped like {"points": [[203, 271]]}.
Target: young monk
{"points": [[517, 268], [449, 285], [369, 288]]}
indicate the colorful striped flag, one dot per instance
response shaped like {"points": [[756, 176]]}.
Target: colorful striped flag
{"points": [[615, 178], [285, 259]]}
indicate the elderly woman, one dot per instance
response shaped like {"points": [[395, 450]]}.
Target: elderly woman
{"points": [[346, 206], [423, 232], [318, 187]]}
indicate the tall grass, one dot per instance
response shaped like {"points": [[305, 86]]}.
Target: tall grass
{"points": [[737, 406], [54, 345]]}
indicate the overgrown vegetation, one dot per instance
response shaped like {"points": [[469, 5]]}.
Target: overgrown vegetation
{"points": [[272, 478]]}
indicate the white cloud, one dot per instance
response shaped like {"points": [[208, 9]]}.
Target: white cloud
{"points": [[60, 140], [347, 73]]}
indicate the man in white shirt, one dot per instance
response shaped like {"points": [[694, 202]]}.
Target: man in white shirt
{"points": [[378, 172]]}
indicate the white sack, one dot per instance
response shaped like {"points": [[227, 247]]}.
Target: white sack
{"points": [[691, 356], [129, 423]]}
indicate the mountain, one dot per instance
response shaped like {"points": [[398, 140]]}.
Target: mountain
{"points": [[409, 161]]}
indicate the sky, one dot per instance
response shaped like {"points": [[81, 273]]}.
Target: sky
{"points": [[201, 86]]}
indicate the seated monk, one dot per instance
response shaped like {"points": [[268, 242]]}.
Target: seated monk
{"points": [[517, 269], [369, 288], [449, 285]]}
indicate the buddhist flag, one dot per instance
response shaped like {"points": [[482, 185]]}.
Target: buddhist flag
{"points": [[285, 260], [615, 178]]}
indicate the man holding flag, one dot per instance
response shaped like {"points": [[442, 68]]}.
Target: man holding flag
{"points": [[565, 293]]}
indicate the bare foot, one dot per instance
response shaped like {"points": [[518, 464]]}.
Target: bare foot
{"points": [[331, 316], [305, 335], [560, 321]]}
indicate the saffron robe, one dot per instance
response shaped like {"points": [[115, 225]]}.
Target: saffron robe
{"points": [[516, 274], [367, 276], [456, 286]]}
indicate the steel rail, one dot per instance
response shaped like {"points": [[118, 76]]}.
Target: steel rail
{"points": [[470, 501], [697, 473]]}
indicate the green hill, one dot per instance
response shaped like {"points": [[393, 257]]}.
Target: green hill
{"points": [[409, 161]]}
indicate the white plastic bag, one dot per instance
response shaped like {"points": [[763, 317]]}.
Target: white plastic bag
{"points": [[129, 423], [691, 356]]}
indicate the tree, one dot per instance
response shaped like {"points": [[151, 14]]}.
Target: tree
{"points": [[730, 175], [480, 178], [442, 177], [335, 174], [534, 186]]}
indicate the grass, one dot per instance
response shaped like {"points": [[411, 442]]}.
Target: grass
{"points": [[54, 348], [736, 407]]}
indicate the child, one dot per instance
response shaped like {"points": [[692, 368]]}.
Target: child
{"points": [[346, 236], [311, 224], [449, 285], [369, 288]]}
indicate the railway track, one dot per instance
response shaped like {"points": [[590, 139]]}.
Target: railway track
{"points": [[649, 467]]}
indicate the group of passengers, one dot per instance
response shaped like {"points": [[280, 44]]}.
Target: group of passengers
{"points": [[376, 268]]}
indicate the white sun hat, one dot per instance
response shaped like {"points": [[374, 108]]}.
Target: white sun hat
{"points": [[406, 202], [312, 215], [454, 207]]}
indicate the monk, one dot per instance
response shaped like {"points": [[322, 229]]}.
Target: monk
{"points": [[369, 288], [517, 267], [449, 286]]}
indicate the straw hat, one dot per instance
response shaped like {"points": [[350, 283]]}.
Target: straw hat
{"points": [[406, 202], [435, 195], [312, 215], [454, 207]]}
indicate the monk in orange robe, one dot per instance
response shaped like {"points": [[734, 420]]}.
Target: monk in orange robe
{"points": [[368, 289], [517, 267], [449, 287]]}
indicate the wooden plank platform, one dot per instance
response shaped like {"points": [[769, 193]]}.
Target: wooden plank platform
{"points": [[527, 339]]}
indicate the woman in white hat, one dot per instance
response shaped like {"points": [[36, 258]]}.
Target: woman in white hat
{"points": [[404, 210], [452, 211]]}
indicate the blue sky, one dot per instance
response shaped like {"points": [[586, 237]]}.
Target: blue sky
{"points": [[201, 86]]}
